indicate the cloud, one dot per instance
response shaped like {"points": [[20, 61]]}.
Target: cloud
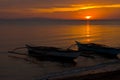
{"points": [[98, 6], [49, 3], [51, 7], [70, 8], [73, 8]]}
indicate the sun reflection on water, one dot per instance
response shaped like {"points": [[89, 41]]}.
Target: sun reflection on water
{"points": [[88, 34]]}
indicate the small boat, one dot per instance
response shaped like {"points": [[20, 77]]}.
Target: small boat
{"points": [[52, 52], [103, 50]]}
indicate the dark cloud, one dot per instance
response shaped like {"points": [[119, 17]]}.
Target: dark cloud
{"points": [[49, 3], [21, 8]]}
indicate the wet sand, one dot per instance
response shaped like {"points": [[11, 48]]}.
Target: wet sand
{"points": [[113, 75]]}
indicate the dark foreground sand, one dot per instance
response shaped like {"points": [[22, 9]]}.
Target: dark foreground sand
{"points": [[113, 75]]}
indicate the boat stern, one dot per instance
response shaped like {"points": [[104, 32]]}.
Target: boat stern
{"points": [[118, 55]]}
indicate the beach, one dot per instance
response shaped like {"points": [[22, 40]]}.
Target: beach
{"points": [[113, 75]]}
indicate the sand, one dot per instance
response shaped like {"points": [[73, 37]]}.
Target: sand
{"points": [[113, 75]]}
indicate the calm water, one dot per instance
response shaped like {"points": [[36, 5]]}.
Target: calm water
{"points": [[12, 35]]}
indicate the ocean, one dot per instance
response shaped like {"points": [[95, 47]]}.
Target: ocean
{"points": [[57, 33]]}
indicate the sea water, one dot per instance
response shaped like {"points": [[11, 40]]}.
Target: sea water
{"points": [[61, 34]]}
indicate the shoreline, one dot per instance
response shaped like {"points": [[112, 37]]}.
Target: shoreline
{"points": [[85, 72], [111, 75]]}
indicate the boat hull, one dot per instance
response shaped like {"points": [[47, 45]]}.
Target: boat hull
{"points": [[99, 49], [52, 54]]}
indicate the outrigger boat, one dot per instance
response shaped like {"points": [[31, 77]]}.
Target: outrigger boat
{"points": [[102, 50], [52, 52]]}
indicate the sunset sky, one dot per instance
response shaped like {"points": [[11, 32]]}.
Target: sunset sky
{"points": [[63, 9]]}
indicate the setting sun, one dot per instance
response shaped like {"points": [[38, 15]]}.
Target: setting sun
{"points": [[88, 17]]}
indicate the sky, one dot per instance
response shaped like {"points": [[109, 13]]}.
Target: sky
{"points": [[60, 9]]}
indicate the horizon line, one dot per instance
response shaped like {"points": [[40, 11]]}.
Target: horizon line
{"points": [[54, 19]]}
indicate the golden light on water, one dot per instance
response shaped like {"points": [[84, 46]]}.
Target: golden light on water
{"points": [[88, 35]]}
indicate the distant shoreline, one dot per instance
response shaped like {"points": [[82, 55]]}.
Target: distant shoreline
{"points": [[59, 19], [43, 21]]}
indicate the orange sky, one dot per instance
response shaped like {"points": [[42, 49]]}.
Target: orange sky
{"points": [[63, 9]]}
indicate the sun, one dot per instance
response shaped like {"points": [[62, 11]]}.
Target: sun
{"points": [[88, 17]]}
